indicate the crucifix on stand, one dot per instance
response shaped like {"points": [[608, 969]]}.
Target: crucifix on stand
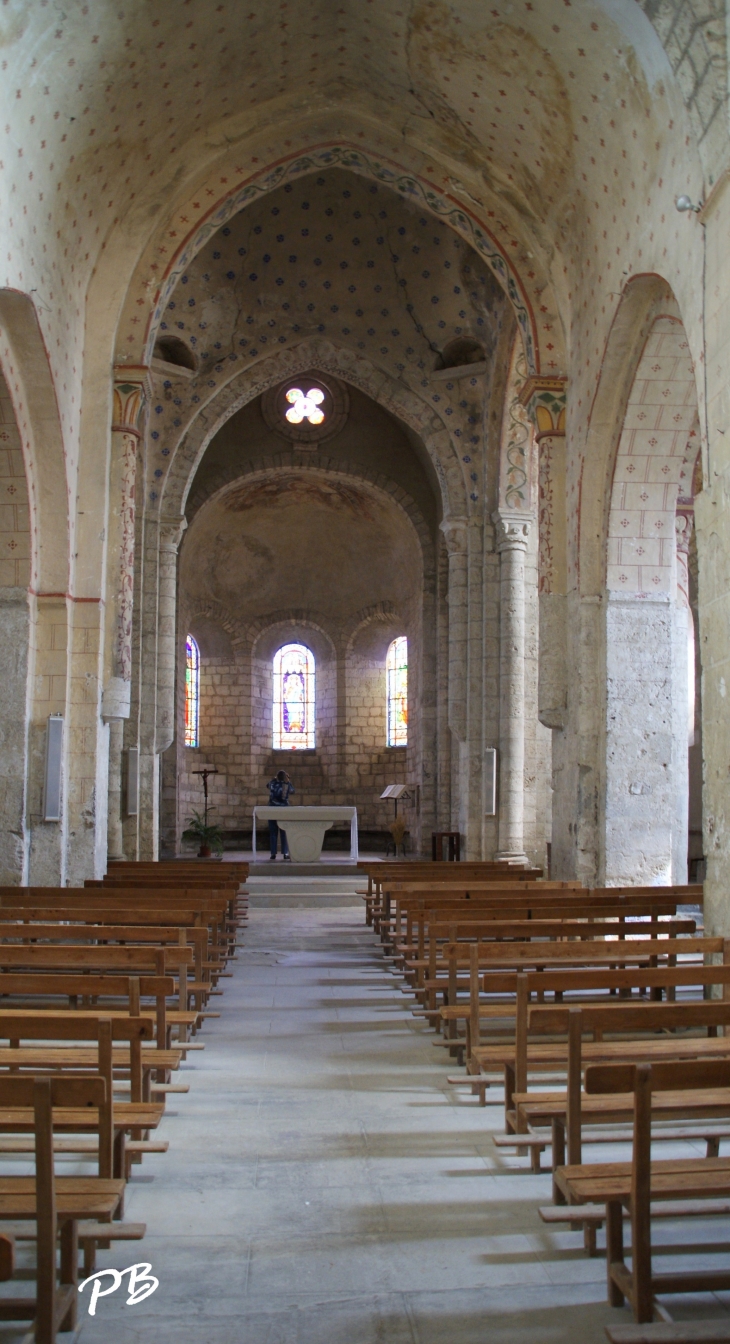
{"points": [[205, 773]]}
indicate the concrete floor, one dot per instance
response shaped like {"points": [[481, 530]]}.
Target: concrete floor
{"points": [[324, 1185]]}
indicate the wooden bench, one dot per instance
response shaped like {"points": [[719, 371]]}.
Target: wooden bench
{"points": [[56, 1204], [379, 872], [664, 1332], [124, 1117], [434, 906], [633, 1184]]}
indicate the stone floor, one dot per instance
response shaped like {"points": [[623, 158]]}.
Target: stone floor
{"points": [[324, 1185]]}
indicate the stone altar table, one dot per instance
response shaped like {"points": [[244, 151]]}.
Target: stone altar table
{"points": [[305, 828]]}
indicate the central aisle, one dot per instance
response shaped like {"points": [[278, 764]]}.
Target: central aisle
{"points": [[325, 1186]]}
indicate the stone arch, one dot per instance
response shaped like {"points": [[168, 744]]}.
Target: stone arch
{"points": [[285, 462], [645, 298], [425, 193], [387, 391], [643, 821], [294, 623], [25, 365], [35, 587], [383, 613]]}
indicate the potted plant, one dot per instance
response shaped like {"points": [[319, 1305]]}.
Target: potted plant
{"points": [[209, 837]]}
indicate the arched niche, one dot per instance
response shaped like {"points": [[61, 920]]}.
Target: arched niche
{"points": [[647, 619]]}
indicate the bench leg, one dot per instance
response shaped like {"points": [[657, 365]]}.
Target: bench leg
{"points": [[70, 1270], [558, 1145], [614, 1250]]}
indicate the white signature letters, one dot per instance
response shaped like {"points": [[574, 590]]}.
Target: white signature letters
{"points": [[141, 1284]]}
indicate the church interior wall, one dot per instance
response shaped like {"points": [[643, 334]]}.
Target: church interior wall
{"points": [[359, 243]]}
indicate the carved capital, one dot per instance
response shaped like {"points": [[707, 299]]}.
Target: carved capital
{"points": [[513, 530], [171, 533], [132, 391], [683, 524], [455, 535], [544, 400]]}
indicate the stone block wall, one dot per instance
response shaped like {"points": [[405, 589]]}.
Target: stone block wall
{"points": [[350, 763]]}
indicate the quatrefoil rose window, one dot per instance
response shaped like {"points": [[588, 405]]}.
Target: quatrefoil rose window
{"points": [[305, 406], [306, 409]]}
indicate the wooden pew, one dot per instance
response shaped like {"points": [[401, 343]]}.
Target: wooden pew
{"points": [[449, 948], [634, 1184], [568, 1111], [379, 872], [455, 938], [475, 903], [578, 984], [55, 1204]]}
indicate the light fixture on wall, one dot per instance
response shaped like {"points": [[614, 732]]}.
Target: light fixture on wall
{"points": [[685, 204]]}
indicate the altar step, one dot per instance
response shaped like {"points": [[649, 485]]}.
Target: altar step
{"points": [[304, 886]]}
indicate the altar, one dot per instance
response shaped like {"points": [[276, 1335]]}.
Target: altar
{"points": [[305, 828]]}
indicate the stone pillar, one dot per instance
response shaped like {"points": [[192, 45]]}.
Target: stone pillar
{"points": [[171, 534], [157, 658], [131, 393], [48, 680], [512, 535], [115, 836], [545, 402], [14, 650], [455, 533], [684, 691]]}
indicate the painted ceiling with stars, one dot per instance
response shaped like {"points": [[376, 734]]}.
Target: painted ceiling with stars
{"points": [[335, 257]]}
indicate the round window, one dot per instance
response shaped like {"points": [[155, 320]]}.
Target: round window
{"points": [[306, 409]]}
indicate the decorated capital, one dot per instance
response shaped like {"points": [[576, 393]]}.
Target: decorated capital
{"points": [[544, 399]]}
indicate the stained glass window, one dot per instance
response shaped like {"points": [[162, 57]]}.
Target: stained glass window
{"points": [[396, 671], [305, 406], [293, 697], [192, 692]]}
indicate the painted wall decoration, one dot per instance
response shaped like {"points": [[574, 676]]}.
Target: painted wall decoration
{"points": [[294, 698], [397, 691]]}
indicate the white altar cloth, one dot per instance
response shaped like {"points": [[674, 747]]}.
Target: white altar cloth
{"points": [[305, 828]]}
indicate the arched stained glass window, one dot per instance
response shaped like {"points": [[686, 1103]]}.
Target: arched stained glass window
{"points": [[192, 692], [396, 671], [293, 697]]}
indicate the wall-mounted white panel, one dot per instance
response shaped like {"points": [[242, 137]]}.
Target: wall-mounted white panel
{"points": [[132, 781], [54, 760], [490, 782]]}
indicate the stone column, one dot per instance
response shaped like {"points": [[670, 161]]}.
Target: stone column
{"points": [[131, 393], [158, 650], [684, 690], [545, 402], [455, 535], [512, 534]]}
